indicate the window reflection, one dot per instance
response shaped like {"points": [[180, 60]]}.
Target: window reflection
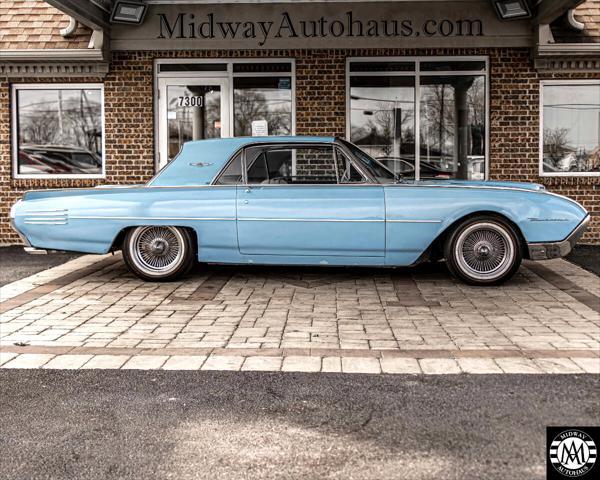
{"points": [[194, 113], [452, 133], [259, 99], [382, 120], [571, 130], [59, 131]]}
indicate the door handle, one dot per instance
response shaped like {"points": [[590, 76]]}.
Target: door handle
{"points": [[245, 202], [248, 190]]}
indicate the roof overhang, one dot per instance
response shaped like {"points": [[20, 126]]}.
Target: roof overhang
{"points": [[53, 62], [96, 15], [546, 11], [91, 61], [549, 55], [87, 12]]}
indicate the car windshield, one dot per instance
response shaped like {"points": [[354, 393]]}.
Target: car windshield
{"points": [[376, 169]]}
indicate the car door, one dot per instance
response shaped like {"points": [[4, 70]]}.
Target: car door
{"points": [[308, 200]]}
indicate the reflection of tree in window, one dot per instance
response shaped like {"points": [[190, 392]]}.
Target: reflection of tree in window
{"points": [[262, 98], [382, 116], [194, 122], [571, 130], [452, 125], [386, 124], [60, 117]]}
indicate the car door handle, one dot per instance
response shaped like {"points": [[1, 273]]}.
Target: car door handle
{"points": [[245, 202], [247, 190]]}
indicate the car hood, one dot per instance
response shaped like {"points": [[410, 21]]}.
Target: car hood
{"points": [[536, 187]]}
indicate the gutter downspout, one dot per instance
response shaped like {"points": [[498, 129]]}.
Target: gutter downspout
{"points": [[573, 22], [69, 30]]}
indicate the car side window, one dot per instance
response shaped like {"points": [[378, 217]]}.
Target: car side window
{"points": [[294, 165], [347, 172], [232, 175]]}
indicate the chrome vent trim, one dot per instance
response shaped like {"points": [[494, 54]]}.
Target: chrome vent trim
{"points": [[47, 217]]}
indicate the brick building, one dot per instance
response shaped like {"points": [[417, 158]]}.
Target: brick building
{"points": [[92, 93]]}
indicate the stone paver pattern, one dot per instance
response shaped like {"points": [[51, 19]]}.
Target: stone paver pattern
{"points": [[312, 364], [300, 319]]}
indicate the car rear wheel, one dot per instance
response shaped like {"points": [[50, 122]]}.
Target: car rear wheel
{"points": [[483, 251], [158, 253]]}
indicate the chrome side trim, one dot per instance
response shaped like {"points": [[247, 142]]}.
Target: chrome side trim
{"points": [[45, 223], [413, 221], [361, 185], [42, 218], [251, 219], [546, 251], [84, 217], [61, 211]]}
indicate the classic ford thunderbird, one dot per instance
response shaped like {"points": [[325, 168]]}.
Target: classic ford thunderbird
{"points": [[301, 201]]}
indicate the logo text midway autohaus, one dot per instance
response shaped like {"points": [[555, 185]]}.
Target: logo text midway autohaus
{"points": [[572, 453]]}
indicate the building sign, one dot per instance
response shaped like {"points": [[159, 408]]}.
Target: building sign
{"points": [[326, 25]]}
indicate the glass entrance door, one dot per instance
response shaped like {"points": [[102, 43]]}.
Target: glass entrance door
{"points": [[191, 109]]}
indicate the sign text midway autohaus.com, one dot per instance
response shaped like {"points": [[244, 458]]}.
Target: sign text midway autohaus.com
{"points": [[211, 26]]}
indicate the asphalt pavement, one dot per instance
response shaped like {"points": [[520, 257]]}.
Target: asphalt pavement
{"points": [[228, 425], [586, 256], [15, 263]]}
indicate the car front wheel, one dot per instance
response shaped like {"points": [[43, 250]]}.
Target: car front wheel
{"points": [[483, 251], [158, 253]]}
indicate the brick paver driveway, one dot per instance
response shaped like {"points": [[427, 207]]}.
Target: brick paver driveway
{"points": [[91, 313]]}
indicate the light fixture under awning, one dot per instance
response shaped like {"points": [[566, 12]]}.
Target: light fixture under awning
{"points": [[512, 9], [128, 12]]}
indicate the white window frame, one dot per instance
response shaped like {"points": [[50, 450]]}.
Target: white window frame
{"points": [[227, 74], [15, 128], [417, 74], [566, 82]]}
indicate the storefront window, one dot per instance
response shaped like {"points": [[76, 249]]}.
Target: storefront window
{"points": [[447, 139], [199, 99], [194, 113], [570, 128], [452, 134], [262, 106], [383, 120], [59, 131]]}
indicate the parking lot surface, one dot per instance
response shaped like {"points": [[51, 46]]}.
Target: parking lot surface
{"points": [[257, 425], [92, 313]]}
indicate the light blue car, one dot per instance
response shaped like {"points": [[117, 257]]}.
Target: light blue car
{"points": [[301, 201]]}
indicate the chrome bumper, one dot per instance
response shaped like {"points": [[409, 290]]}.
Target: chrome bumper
{"points": [[35, 251], [546, 251]]}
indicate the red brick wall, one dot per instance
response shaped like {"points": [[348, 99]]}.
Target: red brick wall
{"points": [[320, 110]]}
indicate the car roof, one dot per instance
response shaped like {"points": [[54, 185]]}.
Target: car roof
{"points": [[241, 141], [200, 161]]}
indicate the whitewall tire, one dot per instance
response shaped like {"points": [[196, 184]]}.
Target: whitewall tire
{"points": [[158, 253], [483, 250]]}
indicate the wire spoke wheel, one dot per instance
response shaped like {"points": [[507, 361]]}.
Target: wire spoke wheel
{"points": [[157, 250], [485, 251]]}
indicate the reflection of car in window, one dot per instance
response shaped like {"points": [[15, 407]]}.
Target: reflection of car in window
{"points": [[476, 167], [58, 159], [569, 161], [30, 164], [407, 169]]}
